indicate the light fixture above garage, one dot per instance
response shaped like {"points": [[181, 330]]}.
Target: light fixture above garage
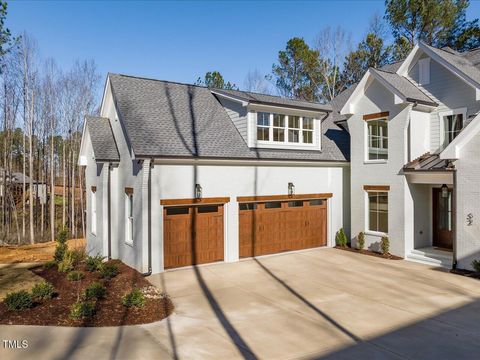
{"points": [[444, 191], [198, 191], [291, 189]]}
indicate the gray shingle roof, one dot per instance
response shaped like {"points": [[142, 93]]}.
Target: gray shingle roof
{"points": [[273, 100], [405, 87], [103, 141], [462, 63], [165, 119]]}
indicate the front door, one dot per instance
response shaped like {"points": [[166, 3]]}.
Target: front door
{"points": [[442, 219]]}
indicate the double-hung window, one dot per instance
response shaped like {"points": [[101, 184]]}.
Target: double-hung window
{"points": [[263, 126], [278, 127], [377, 211], [307, 126], [452, 125], [129, 216], [377, 139], [294, 129], [93, 204]]}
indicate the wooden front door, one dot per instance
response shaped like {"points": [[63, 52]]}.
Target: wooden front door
{"points": [[192, 235], [278, 226], [442, 219]]}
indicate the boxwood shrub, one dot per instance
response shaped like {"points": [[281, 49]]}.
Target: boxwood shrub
{"points": [[18, 300]]}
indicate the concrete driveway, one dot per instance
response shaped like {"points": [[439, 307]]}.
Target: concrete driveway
{"points": [[322, 303]]}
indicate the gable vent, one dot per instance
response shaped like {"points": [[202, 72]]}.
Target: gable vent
{"points": [[424, 71]]}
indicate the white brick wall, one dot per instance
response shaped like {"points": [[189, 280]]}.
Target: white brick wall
{"points": [[468, 194]]}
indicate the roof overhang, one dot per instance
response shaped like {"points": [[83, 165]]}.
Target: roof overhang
{"points": [[367, 79], [421, 47], [245, 103], [452, 151], [231, 97], [430, 177]]}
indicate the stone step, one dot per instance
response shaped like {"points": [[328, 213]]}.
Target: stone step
{"points": [[428, 258]]}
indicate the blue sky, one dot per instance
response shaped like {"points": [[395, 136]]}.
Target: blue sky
{"points": [[180, 41]]}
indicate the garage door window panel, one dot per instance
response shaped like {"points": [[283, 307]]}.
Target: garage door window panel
{"points": [[273, 205]]}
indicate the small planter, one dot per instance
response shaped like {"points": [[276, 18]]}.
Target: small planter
{"points": [[371, 253]]}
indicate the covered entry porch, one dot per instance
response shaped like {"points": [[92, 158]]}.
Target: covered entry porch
{"points": [[431, 211]]}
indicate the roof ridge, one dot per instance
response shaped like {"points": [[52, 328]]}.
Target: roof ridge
{"points": [[158, 80]]}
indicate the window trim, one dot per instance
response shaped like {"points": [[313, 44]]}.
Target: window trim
{"points": [[93, 210], [128, 219], [367, 213], [442, 115], [381, 116]]}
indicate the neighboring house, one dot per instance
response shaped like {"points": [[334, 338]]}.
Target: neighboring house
{"points": [[15, 182], [415, 156], [179, 174]]}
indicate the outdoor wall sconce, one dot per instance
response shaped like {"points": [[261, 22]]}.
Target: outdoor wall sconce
{"points": [[444, 191], [291, 189], [198, 191]]}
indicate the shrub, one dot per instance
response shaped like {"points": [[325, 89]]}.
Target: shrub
{"points": [[385, 245], [60, 251], [82, 309], [108, 270], [50, 264], [71, 260], [43, 291], [133, 298], [95, 290], [476, 265], [75, 275], [62, 247], [62, 236], [361, 240], [18, 300], [341, 238], [93, 263]]}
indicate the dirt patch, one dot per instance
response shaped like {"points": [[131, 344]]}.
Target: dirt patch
{"points": [[35, 253], [467, 273], [109, 311], [15, 277], [371, 253]]}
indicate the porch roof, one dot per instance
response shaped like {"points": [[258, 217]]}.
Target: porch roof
{"points": [[428, 162]]}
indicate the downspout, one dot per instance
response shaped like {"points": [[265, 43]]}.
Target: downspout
{"points": [[454, 222], [149, 216], [109, 210]]}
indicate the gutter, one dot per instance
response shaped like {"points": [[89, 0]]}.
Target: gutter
{"points": [[109, 210], [454, 222], [149, 216]]}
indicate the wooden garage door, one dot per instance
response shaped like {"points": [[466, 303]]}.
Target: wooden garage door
{"points": [[192, 235], [277, 226]]}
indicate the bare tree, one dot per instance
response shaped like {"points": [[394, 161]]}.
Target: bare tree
{"points": [[256, 82], [332, 45]]}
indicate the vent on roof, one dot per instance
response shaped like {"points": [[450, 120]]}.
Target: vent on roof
{"points": [[424, 71]]}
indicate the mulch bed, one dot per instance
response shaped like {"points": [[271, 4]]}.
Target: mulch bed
{"points": [[371, 253], [467, 273], [109, 311]]}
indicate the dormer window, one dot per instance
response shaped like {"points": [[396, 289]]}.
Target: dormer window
{"points": [[278, 127], [285, 129], [263, 126], [294, 129]]}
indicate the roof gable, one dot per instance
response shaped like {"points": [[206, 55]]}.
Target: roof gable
{"points": [[459, 64], [102, 139], [403, 90]]}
